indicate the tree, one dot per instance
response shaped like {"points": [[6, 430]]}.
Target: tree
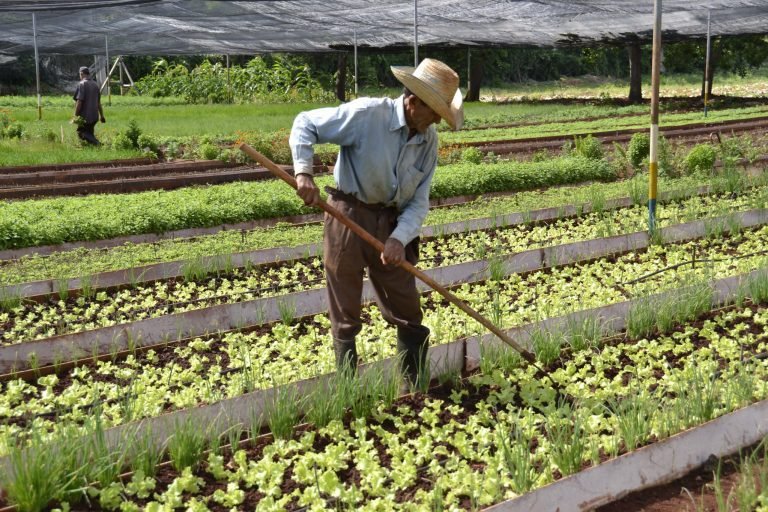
{"points": [[635, 73]]}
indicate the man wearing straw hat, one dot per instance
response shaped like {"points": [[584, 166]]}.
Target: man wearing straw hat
{"points": [[382, 178]]}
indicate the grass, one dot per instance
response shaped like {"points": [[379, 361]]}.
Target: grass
{"points": [[689, 85], [170, 118]]}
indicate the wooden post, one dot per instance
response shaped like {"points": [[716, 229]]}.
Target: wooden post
{"points": [[109, 72], [37, 69], [655, 75], [706, 64], [120, 73]]}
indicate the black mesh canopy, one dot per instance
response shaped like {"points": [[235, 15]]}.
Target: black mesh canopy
{"points": [[224, 27]]}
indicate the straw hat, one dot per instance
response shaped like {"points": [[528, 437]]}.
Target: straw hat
{"points": [[437, 85]]}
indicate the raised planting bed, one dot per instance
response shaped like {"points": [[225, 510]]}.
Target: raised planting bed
{"points": [[178, 286], [132, 381], [126, 180], [161, 326], [108, 216], [751, 115], [253, 235], [472, 443], [556, 229]]}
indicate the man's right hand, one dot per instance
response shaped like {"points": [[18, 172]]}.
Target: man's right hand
{"points": [[307, 190]]}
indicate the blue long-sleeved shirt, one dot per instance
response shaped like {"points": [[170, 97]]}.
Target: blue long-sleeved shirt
{"points": [[377, 162]]}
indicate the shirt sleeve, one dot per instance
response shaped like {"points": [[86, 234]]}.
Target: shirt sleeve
{"points": [[415, 211], [334, 125]]}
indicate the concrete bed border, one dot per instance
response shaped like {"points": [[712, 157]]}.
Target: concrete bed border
{"points": [[38, 290], [225, 317], [11, 254], [463, 355]]}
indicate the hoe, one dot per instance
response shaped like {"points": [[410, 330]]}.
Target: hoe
{"points": [[354, 227]]}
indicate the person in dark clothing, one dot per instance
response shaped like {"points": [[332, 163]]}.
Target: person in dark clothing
{"points": [[88, 109]]}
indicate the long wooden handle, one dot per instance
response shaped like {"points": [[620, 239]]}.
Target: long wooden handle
{"points": [[277, 171]]}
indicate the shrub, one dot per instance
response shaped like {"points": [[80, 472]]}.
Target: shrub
{"points": [[448, 155], [208, 151], [13, 131], [472, 156], [172, 150], [666, 159], [121, 141], [588, 147], [133, 132], [272, 145], [701, 158], [147, 144], [638, 149]]}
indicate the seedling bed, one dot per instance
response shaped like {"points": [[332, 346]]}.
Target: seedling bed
{"points": [[210, 367], [16, 357], [756, 122], [501, 432], [23, 169], [503, 202], [126, 300]]}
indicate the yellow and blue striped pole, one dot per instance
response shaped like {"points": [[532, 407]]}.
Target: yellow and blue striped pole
{"points": [[653, 170]]}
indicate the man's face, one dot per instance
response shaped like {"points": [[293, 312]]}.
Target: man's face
{"points": [[418, 115]]}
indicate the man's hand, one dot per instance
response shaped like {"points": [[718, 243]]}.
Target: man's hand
{"points": [[394, 252], [307, 190], [103, 120]]}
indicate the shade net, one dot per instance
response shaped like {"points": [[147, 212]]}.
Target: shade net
{"points": [[142, 27]]}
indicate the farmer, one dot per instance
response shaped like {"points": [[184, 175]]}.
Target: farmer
{"points": [[87, 107], [383, 173]]}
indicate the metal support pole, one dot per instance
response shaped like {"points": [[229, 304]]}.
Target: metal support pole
{"points": [[355, 34], [415, 33], [706, 65], [37, 69], [109, 72], [229, 83], [120, 73], [469, 66], [655, 74]]}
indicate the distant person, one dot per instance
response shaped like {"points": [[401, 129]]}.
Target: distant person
{"points": [[88, 107]]}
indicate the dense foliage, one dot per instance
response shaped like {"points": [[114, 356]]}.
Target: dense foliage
{"points": [[286, 79], [107, 216]]}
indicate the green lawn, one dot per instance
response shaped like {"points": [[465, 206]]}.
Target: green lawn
{"points": [[169, 118]]}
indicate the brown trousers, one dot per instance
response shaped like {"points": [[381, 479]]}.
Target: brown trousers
{"points": [[347, 255]]}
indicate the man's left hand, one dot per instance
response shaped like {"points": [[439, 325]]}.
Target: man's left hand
{"points": [[394, 252]]}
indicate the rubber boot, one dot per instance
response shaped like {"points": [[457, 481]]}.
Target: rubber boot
{"points": [[412, 346], [346, 356]]}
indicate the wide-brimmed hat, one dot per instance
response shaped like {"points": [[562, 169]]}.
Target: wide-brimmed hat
{"points": [[437, 85]]}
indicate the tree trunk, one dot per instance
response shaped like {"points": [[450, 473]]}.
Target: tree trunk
{"points": [[475, 79], [635, 74], [341, 77], [714, 57]]}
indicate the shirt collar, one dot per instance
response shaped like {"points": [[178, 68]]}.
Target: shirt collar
{"points": [[398, 116], [398, 121]]}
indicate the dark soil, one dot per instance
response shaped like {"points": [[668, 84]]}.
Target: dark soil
{"points": [[695, 492]]}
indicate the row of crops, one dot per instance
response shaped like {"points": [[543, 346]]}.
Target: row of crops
{"points": [[243, 414]]}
